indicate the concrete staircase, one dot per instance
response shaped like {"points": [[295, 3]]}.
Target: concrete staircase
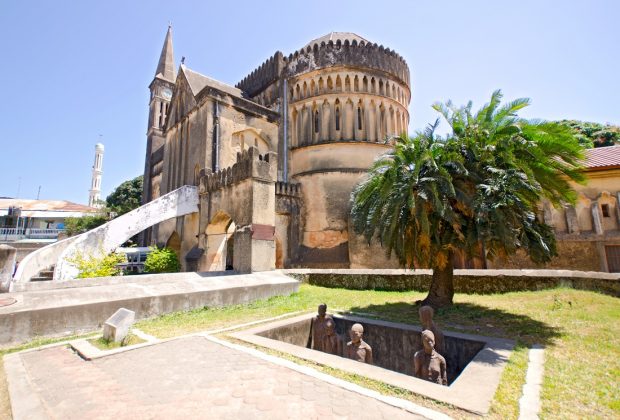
{"points": [[44, 275]]}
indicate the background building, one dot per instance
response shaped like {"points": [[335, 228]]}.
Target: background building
{"points": [[277, 156], [324, 113]]}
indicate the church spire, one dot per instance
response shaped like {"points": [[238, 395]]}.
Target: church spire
{"points": [[165, 67]]}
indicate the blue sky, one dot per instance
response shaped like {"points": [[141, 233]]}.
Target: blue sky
{"points": [[72, 71]]}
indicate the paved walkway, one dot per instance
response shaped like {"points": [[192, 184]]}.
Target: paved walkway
{"points": [[181, 379]]}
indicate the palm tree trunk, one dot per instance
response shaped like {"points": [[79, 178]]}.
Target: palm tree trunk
{"points": [[442, 286]]}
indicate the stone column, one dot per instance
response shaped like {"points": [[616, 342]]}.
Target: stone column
{"points": [[254, 242], [618, 207], [7, 265], [597, 218], [325, 122], [572, 222]]}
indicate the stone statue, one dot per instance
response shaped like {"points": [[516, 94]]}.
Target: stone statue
{"points": [[331, 342], [427, 363], [426, 318], [317, 328], [358, 349]]}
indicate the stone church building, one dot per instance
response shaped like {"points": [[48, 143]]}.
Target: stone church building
{"points": [[276, 156]]}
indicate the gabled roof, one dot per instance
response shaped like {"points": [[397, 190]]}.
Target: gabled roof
{"points": [[198, 82], [603, 158]]}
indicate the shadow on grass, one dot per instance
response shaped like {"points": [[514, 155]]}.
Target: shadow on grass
{"points": [[471, 318]]}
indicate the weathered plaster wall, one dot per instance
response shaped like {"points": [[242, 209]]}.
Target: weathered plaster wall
{"points": [[465, 281]]}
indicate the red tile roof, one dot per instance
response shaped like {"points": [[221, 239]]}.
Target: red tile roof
{"points": [[603, 158], [45, 205]]}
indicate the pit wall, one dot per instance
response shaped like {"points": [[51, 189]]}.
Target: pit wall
{"points": [[392, 348], [465, 281]]}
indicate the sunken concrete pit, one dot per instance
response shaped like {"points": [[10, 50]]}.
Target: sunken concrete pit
{"points": [[474, 363]]}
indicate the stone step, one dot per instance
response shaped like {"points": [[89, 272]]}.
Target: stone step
{"points": [[47, 273], [41, 278]]}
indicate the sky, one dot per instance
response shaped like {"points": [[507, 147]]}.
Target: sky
{"points": [[74, 73]]}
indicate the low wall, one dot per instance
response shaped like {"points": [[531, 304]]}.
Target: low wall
{"points": [[465, 281]]}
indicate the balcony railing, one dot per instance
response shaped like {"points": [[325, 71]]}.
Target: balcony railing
{"points": [[16, 234]]}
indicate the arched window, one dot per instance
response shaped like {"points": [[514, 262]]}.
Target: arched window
{"points": [[359, 117], [337, 118], [316, 121]]}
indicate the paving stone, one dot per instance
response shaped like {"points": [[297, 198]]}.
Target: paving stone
{"points": [[188, 378]]}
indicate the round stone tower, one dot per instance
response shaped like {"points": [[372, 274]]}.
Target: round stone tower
{"points": [[345, 97]]}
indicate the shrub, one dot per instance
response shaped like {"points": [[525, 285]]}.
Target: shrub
{"points": [[93, 266], [77, 225], [162, 260]]}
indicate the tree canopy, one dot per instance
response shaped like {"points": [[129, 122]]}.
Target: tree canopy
{"points": [[475, 191], [126, 197], [592, 134]]}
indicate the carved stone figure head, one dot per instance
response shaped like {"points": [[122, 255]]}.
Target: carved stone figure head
{"points": [[426, 316], [357, 332], [330, 328], [428, 341], [322, 310]]}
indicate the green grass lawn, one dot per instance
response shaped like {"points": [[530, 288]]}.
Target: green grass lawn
{"points": [[103, 344], [580, 329]]}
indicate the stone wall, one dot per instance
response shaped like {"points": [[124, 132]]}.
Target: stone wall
{"points": [[465, 281]]}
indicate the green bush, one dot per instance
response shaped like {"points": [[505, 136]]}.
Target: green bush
{"points": [[93, 266], [162, 260]]}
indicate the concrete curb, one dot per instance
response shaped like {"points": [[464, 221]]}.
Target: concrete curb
{"points": [[529, 403], [25, 401]]}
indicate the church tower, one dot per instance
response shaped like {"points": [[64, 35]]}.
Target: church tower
{"points": [[161, 92], [94, 194]]}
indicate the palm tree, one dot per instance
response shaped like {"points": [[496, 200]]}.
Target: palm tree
{"points": [[476, 190]]}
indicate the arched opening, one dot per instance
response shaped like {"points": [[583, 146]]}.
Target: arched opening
{"points": [[240, 141], [305, 90], [337, 116], [321, 87], [365, 84], [330, 84], [360, 117], [347, 84], [356, 84], [313, 88], [338, 84], [220, 242], [316, 121]]}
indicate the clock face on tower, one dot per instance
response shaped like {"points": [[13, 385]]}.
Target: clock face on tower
{"points": [[166, 93]]}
